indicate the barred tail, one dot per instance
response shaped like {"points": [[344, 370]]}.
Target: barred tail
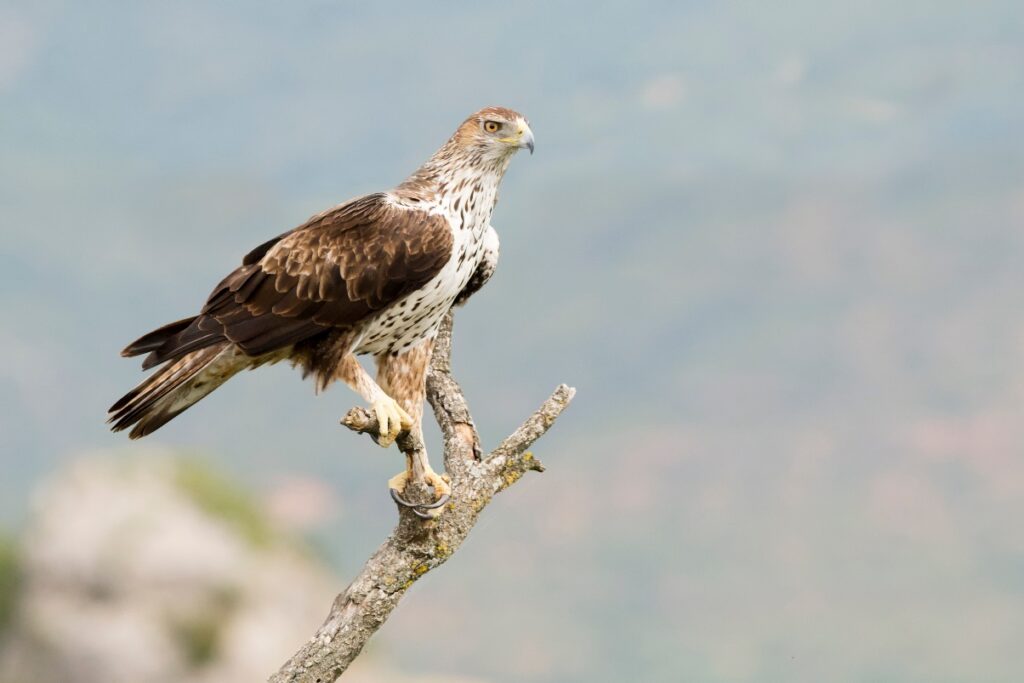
{"points": [[175, 387]]}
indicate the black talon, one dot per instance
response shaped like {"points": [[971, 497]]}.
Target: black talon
{"points": [[440, 502], [418, 508], [395, 496]]}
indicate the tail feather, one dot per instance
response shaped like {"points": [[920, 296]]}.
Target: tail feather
{"points": [[156, 338], [176, 347], [152, 387], [134, 404], [174, 388]]}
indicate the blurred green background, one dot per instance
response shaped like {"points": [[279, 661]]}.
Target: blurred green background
{"points": [[778, 248]]}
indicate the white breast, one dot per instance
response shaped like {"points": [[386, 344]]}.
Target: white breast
{"points": [[409, 321]]}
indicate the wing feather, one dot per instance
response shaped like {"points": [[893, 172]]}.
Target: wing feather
{"points": [[334, 271]]}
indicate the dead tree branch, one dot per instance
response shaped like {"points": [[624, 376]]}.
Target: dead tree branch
{"points": [[417, 546]]}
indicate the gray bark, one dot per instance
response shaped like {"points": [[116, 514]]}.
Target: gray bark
{"points": [[417, 546]]}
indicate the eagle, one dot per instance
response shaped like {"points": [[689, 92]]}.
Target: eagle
{"points": [[373, 275]]}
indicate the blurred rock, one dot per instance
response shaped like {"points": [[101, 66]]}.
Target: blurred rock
{"points": [[301, 503], [155, 569]]}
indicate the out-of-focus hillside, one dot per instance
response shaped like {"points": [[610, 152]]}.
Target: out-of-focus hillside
{"points": [[777, 248], [159, 569]]}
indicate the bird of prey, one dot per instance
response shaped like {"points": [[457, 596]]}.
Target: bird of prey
{"points": [[374, 275]]}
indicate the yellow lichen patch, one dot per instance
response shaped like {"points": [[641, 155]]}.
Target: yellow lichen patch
{"points": [[417, 571], [441, 550], [528, 456], [511, 477]]}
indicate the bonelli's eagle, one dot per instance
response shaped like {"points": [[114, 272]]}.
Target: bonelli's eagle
{"points": [[374, 275]]}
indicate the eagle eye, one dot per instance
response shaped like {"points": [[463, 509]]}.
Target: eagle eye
{"points": [[491, 126]]}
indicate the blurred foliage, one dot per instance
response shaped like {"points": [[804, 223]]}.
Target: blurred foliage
{"points": [[200, 635], [9, 579], [225, 500]]}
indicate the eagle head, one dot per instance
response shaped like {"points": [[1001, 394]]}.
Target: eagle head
{"points": [[496, 132]]}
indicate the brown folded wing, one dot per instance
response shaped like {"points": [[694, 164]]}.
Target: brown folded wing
{"points": [[333, 272]]}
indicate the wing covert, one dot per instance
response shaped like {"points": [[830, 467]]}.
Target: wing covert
{"points": [[334, 271]]}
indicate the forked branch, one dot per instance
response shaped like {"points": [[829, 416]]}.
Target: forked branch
{"points": [[416, 546]]}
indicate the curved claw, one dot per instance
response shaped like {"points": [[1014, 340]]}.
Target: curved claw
{"points": [[440, 502], [397, 497], [421, 514], [421, 510]]}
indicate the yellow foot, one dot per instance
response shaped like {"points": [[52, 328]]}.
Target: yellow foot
{"points": [[442, 493], [391, 419]]}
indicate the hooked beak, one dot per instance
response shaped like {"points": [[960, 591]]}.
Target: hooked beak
{"points": [[522, 139], [526, 138]]}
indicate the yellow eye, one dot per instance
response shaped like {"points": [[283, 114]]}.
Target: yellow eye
{"points": [[491, 126]]}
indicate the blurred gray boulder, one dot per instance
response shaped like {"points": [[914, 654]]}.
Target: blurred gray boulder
{"points": [[155, 569]]}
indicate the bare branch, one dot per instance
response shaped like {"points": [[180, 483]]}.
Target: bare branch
{"points": [[512, 453], [362, 421], [416, 546], [461, 441]]}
